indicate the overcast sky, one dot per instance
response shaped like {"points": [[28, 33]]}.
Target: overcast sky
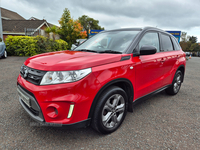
{"points": [[175, 15]]}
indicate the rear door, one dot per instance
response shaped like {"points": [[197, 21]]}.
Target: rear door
{"points": [[149, 68], [171, 52]]}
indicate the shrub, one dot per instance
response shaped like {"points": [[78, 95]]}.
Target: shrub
{"points": [[29, 46]]}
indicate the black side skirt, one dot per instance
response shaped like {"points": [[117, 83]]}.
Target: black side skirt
{"points": [[149, 95]]}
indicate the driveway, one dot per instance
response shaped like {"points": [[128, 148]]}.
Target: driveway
{"points": [[161, 122]]}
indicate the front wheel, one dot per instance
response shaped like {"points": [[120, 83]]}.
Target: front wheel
{"points": [[5, 54], [110, 110], [176, 84]]}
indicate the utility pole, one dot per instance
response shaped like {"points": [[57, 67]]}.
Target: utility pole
{"points": [[1, 28]]}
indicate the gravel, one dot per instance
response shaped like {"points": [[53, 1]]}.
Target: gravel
{"points": [[161, 122]]}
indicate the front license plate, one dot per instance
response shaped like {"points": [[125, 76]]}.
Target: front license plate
{"points": [[24, 98]]}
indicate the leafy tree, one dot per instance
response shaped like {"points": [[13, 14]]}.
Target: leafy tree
{"points": [[193, 39], [52, 29], [89, 23], [184, 46], [74, 31], [191, 45], [194, 47], [70, 29], [63, 23], [48, 30]]}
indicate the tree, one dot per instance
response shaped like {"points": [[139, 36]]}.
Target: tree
{"points": [[63, 23], [70, 29], [89, 23], [52, 29], [193, 39], [194, 47], [74, 31], [48, 30], [191, 45], [184, 46]]}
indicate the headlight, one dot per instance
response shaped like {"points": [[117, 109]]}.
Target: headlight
{"points": [[56, 77]]}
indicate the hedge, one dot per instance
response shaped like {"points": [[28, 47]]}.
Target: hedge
{"points": [[29, 46]]}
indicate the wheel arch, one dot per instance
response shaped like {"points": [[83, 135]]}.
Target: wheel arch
{"points": [[182, 69], [123, 83]]}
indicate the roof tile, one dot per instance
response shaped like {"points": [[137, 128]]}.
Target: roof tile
{"points": [[10, 14], [20, 25]]}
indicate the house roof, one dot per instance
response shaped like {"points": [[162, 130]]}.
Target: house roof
{"points": [[20, 25], [33, 18], [50, 25], [10, 15]]}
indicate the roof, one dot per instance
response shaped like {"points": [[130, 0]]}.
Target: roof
{"points": [[33, 18], [49, 24], [10, 15], [20, 25]]}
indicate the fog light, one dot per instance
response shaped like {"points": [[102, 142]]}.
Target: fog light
{"points": [[52, 112], [71, 108]]}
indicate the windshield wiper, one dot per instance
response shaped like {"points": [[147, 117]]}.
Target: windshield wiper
{"points": [[110, 51], [86, 50]]}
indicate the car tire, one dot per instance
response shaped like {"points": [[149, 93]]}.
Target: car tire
{"points": [[110, 110], [176, 84], [5, 54]]}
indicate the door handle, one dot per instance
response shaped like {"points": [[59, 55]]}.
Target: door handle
{"points": [[162, 60]]}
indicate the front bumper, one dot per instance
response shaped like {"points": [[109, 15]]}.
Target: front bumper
{"points": [[36, 114], [34, 110], [44, 99]]}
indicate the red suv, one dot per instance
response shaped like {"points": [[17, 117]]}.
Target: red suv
{"points": [[99, 81]]}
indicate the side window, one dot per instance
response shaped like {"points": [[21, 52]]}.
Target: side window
{"points": [[166, 43], [175, 43], [150, 38]]}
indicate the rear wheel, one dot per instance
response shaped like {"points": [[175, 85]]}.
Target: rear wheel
{"points": [[110, 110], [176, 84]]}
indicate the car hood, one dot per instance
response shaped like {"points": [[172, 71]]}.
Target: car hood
{"points": [[70, 60]]}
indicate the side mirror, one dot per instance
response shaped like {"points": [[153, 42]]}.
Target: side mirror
{"points": [[147, 50]]}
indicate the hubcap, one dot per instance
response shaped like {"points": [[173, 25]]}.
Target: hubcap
{"points": [[113, 111], [5, 54], [177, 83]]}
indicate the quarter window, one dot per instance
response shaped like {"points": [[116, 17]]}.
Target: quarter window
{"points": [[175, 43], [150, 38], [166, 43]]}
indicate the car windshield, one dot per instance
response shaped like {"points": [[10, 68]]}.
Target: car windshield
{"points": [[110, 42]]}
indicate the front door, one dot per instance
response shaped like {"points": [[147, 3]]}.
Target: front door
{"points": [[149, 68]]}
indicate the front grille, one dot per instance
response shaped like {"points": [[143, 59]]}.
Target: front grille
{"points": [[35, 112], [32, 75]]}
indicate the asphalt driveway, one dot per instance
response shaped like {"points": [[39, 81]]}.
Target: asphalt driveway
{"points": [[161, 122]]}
